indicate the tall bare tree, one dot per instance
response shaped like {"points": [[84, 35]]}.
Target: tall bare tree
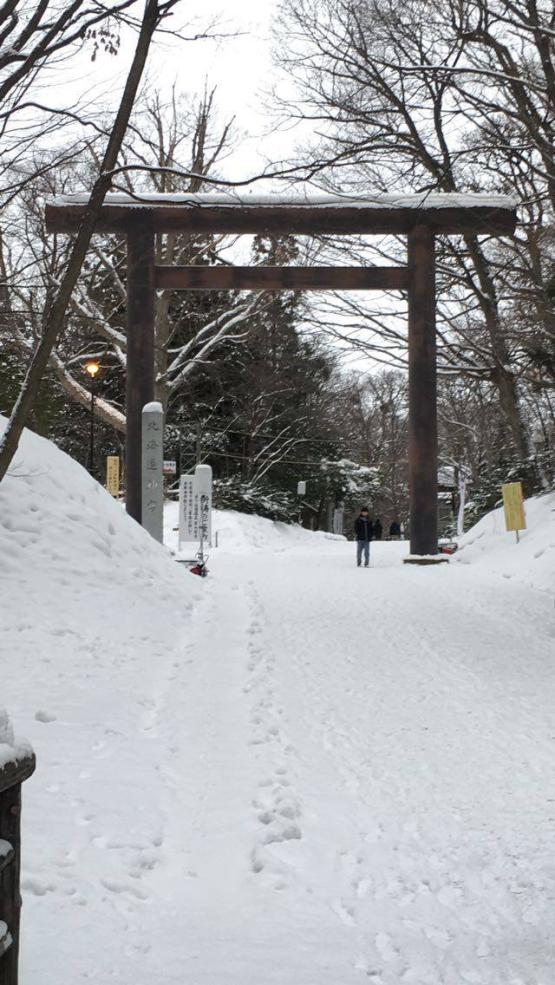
{"points": [[154, 12], [457, 96]]}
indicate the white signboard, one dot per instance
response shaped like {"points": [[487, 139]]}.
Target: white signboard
{"points": [[188, 529], [152, 486], [203, 487], [195, 507]]}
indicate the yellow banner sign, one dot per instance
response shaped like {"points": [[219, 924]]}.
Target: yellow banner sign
{"points": [[513, 505], [112, 474]]}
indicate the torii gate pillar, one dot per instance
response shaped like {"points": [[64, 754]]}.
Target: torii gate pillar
{"points": [[422, 451], [140, 348]]}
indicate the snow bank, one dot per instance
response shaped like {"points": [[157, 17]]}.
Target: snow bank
{"points": [[78, 576], [242, 533], [63, 536], [532, 560], [94, 616]]}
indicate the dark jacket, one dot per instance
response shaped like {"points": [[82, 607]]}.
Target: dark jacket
{"points": [[363, 528], [395, 529]]}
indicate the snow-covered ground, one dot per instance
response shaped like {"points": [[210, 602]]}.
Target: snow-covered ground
{"points": [[293, 771], [532, 560]]}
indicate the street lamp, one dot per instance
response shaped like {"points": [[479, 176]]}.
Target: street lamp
{"points": [[92, 367]]}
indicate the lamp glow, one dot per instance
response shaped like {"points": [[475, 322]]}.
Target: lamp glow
{"points": [[92, 368]]}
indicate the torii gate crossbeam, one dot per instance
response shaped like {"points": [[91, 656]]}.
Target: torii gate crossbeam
{"points": [[419, 217]]}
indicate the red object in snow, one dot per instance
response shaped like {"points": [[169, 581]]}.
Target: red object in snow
{"points": [[199, 569]]}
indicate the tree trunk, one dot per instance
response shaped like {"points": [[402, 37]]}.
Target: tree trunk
{"points": [[55, 314]]}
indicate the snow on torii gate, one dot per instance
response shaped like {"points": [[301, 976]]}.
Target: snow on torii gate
{"points": [[419, 217]]}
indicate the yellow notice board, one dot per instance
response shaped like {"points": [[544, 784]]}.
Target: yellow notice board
{"points": [[112, 474], [514, 506]]}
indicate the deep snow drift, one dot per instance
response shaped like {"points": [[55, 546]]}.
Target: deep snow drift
{"points": [[93, 616], [292, 771], [531, 560]]}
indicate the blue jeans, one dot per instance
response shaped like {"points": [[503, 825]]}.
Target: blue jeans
{"points": [[363, 545]]}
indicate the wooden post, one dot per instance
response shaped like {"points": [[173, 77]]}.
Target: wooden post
{"points": [[140, 346], [11, 778], [422, 392], [10, 813]]}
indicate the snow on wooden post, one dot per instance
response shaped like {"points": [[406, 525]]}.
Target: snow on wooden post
{"points": [[152, 491], [375, 214], [17, 763]]}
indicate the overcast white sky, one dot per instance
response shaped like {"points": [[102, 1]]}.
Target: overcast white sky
{"points": [[239, 66]]}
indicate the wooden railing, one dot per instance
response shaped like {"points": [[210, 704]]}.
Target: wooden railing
{"points": [[11, 778]]}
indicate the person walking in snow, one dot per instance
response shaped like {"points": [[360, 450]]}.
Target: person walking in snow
{"points": [[377, 530], [363, 534]]}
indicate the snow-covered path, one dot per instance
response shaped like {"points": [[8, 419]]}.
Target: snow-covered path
{"points": [[359, 781], [380, 746], [294, 772]]}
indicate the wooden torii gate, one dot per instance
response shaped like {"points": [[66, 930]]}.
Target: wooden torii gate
{"points": [[419, 217]]}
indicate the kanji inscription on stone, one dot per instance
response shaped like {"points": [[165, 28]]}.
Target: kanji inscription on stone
{"points": [[152, 517]]}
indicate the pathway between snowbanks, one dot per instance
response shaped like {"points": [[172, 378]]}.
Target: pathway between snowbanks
{"points": [[294, 771]]}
